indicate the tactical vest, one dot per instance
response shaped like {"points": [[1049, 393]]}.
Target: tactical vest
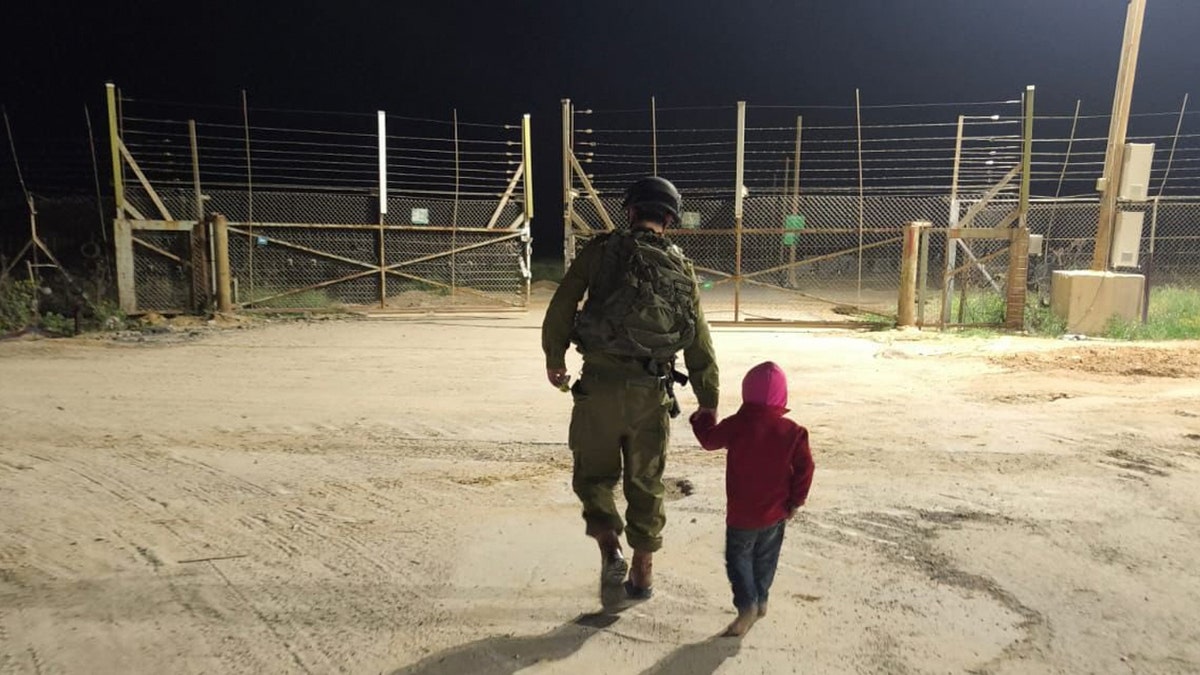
{"points": [[640, 300]]}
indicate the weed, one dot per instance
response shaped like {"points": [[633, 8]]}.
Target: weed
{"points": [[1174, 314], [17, 302], [980, 308]]}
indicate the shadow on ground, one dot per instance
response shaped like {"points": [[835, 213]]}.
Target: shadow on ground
{"points": [[507, 655], [697, 659]]}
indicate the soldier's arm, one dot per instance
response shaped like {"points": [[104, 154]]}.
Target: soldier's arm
{"points": [[560, 315], [701, 359]]}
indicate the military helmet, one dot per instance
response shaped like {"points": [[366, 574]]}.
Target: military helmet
{"points": [[653, 195]]}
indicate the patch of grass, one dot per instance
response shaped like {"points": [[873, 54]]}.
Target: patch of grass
{"points": [[869, 320], [1039, 320], [107, 315], [979, 308], [57, 324], [1174, 315]]}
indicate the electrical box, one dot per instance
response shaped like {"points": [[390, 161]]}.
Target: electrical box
{"points": [[1127, 239], [1036, 243], [1135, 172]]}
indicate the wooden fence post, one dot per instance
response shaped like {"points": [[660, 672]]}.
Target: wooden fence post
{"points": [[221, 239], [906, 306]]}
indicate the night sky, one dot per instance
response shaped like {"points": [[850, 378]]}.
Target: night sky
{"points": [[496, 60]]}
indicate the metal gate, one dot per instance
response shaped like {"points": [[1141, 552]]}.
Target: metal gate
{"points": [[321, 217], [765, 252]]}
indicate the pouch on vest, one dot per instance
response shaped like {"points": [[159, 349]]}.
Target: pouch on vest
{"points": [[640, 300]]}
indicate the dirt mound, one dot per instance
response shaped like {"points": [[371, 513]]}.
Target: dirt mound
{"points": [[1181, 361]]}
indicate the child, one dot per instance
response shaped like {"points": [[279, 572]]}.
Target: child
{"points": [[768, 471]]}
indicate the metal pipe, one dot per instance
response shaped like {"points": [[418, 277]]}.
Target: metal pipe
{"points": [[249, 197], [861, 197], [381, 118], [568, 207], [951, 257], [212, 263], [654, 135], [1149, 273], [740, 176]]}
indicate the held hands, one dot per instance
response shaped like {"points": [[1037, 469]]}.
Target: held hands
{"points": [[701, 412], [558, 377]]}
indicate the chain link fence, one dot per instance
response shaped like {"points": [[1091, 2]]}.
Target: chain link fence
{"points": [[826, 197]]}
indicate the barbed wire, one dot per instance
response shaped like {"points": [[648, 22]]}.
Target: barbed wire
{"points": [[480, 162]]}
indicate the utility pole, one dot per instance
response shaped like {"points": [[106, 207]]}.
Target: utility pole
{"points": [[1115, 155]]}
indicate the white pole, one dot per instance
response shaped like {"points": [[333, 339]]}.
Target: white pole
{"points": [[382, 165], [738, 195], [654, 134], [951, 246], [740, 166], [861, 198]]}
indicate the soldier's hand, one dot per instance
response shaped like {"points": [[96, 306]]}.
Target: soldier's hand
{"points": [[557, 376], [705, 411]]}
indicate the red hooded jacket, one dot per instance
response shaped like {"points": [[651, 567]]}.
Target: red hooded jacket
{"points": [[769, 467]]}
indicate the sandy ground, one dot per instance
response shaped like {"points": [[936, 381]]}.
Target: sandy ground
{"points": [[392, 496]]}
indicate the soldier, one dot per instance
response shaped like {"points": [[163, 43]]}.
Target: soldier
{"points": [[642, 308]]}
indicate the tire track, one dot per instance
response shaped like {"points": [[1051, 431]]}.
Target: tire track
{"points": [[127, 495], [283, 642], [907, 538], [6, 656], [35, 660]]}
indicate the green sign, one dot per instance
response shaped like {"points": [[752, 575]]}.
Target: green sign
{"points": [[690, 220], [793, 222]]}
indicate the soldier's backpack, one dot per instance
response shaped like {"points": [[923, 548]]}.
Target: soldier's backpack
{"points": [[640, 299]]}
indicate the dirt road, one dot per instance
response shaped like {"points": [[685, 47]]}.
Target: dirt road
{"points": [[392, 496]]}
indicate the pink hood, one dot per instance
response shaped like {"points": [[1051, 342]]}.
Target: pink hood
{"points": [[765, 384]]}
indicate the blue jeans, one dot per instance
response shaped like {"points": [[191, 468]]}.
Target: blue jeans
{"points": [[750, 560]]}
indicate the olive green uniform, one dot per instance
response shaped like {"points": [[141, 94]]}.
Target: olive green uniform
{"points": [[621, 416]]}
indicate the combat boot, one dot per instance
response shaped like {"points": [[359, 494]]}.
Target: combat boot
{"points": [[612, 562], [641, 575]]}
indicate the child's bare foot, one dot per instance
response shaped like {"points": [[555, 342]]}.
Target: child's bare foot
{"points": [[742, 624], [762, 609]]}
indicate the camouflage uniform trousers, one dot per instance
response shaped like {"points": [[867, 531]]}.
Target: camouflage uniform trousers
{"points": [[620, 427]]}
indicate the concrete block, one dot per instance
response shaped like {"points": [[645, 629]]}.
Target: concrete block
{"points": [[1088, 300]]}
